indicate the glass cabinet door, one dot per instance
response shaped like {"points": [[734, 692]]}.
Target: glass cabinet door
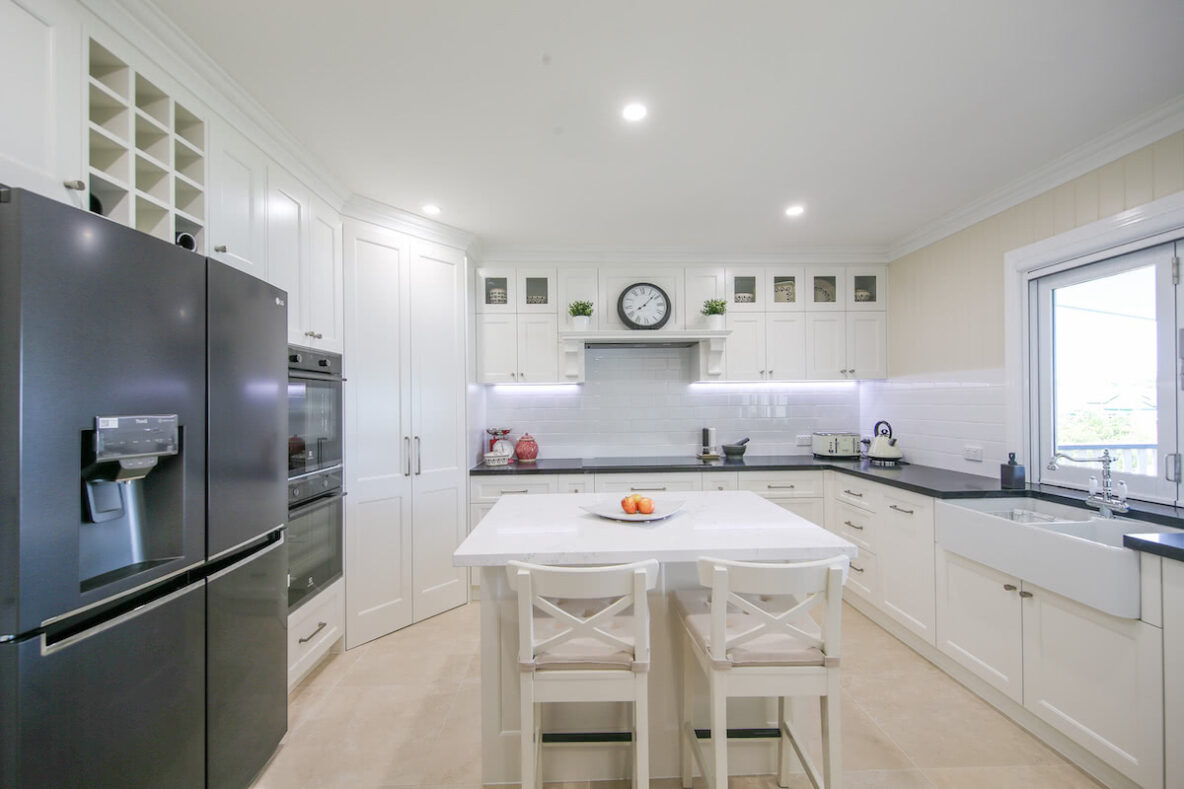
{"points": [[497, 290], [786, 288], [826, 289], [536, 290], [865, 288], [746, 290]]}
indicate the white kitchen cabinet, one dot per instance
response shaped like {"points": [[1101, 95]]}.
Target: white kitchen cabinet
{"points": [[863, 577], [744, 352], [322, 281], [538, 348], [979, 621], [854, 524], [577, 284], [746, 289], [1173, 658], [785, 287], [826, 289], [287, 244], [42, 136], [867, 345], [1099, 680], [536, 290], [826, 346], [405, 419], [865, 288], [721, 480], [905, 550], [785, 346], [314, 630], [497, 289], [238, 201], [497, 348], [813, 510], [783, 484], [701, 283], [663, 482]]}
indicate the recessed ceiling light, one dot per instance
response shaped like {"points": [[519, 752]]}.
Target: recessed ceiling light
{"points": [[431, 209], [796, 209], [634, 111]]}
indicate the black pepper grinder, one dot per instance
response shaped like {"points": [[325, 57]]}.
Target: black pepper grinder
{"points": [[1011, 474]]}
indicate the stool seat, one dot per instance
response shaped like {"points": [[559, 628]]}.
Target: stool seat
{"points": [[582, 653], [768, 649]]}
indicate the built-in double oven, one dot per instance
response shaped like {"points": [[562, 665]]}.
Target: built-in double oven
{"points": [[315, 511]]}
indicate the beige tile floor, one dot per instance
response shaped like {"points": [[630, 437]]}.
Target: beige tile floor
{"points": [[404, 711]]}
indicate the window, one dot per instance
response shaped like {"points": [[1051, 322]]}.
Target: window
{"points": [[1104, 355]]}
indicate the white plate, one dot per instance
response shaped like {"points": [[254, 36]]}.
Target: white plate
{"points": [[663, 508]]}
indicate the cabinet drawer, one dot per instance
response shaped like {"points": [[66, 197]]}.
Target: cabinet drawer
{"points": [[649, 483], [854, 524], [573, 483], [864, 577], [313, 630], [908, 506], [783, 484], [856, 491], [813, 510], [721, 480], [485, 489]]}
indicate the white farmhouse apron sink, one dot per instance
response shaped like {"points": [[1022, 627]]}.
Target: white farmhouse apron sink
{"points": [[1066, 550]]}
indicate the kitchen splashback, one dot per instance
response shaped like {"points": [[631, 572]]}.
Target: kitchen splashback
{"points": [[640, 402]]}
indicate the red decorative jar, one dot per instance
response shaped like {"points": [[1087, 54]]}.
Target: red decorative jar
{"points": [[527, 449]]}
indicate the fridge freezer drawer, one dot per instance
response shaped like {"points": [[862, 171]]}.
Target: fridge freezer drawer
{"points": [[121, 706]]}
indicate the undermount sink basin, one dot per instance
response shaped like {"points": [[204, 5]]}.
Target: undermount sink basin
{"points": [[1070, 551]]}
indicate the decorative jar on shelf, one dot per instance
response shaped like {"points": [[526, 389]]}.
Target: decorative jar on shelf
{"points": [[581, 322], [527, 449], [715, 322]]}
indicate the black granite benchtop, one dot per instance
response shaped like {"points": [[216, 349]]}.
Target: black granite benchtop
{"points": [[926, 480]]}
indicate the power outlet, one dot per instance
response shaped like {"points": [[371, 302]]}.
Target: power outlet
{"points": [[804, 441], [971, 452]]}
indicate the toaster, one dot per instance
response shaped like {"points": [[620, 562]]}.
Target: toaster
{"points": [[835, 445]]}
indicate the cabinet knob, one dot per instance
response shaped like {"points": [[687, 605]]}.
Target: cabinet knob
{"points": [[521, 375], [852, 371], [1009, 587], [221, 248], [75, 185], [1026, 594]]}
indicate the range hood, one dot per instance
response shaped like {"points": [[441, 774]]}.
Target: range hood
{"points": [[574, 342]]}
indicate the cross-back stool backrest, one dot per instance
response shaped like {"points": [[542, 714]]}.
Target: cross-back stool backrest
{"points": [[790, 590], [614, 588]]}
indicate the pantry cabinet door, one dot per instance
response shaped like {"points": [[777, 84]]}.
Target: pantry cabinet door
{"points": [[322, 288], [979, 623], [744, 349], [238, 202], [42, 136], [538, 349], [1098, 679], [377, 362], [785, 346], [867, 345], [826, 346], [287, 223], [497, 348]]}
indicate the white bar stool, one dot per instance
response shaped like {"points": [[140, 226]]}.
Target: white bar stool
{"points": [[597, 654], [751, 634]]}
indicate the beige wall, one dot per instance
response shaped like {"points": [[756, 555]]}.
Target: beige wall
{"points": [[946, 306]]}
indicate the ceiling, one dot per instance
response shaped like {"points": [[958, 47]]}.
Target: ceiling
{"points": [[880, 117]]}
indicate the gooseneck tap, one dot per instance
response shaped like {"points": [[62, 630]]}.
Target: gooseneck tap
{"points": [[1107, 502]]}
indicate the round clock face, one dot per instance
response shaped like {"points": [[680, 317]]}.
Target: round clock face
{"points": [[644, 306]]}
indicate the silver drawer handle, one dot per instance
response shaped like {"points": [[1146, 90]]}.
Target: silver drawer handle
{"points": [[1026, 594], [857, 569], [852, 525], [75, 185], [1009, 587], [780, 487], [853, 493], [221, 248], [313, 634], [901, 509], [508, 492], [643, 490]]}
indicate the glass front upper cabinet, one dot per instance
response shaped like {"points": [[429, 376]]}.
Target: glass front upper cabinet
{"points": [[826, 288], [746, 290], [536, 290], [786, 288], [497, 290], [865, 288]]}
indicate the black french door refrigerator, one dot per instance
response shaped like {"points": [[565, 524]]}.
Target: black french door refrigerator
{"points": [[142, 501]]}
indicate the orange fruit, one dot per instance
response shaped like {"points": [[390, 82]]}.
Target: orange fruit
{"points": [[646, 506], [629, 505]]}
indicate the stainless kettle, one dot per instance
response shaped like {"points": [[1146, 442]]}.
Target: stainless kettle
{"points": [[883, 445]]}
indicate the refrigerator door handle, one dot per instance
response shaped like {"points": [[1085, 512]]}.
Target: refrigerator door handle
{"points": [[250, 558], [69, 641]]}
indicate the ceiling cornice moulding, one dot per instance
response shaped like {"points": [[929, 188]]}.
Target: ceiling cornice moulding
{"points": [[1138, 133], [368, 210], [673, 256]]}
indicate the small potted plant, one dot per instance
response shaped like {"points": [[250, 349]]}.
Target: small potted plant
{"points": [[581, 314], [714, 309]]}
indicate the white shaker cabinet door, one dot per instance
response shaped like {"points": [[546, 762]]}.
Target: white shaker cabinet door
{"points": [[577, 284], [497, 348], [322, 288], [905, 549], [826, 346], [538, 349], [785, 346], [867, 345], [701, 283], [979, 622], [287, 221], [440, 474], [238, 202], [744, 349], [377, 362], [42, 135], [1099, 680], [1173, 655]]}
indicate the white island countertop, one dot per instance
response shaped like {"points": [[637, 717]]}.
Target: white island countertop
{"points": [[553, 529]]}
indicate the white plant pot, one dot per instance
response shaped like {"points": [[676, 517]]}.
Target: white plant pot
{"points": [[581, 322], [715, 322]]}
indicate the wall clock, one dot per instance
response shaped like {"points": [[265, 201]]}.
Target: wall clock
{"points": [[644, 305]]}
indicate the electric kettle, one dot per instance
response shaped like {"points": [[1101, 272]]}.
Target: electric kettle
{"points": [[883, 445]]}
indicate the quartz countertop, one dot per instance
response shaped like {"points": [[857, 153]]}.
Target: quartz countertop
{"points": [[735, 524], [1169, 545]]}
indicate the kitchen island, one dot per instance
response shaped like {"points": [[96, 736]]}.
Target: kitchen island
{"points": [[553, 529]]}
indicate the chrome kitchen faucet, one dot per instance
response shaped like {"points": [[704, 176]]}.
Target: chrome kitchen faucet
{"points": [[1107, 502]]}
